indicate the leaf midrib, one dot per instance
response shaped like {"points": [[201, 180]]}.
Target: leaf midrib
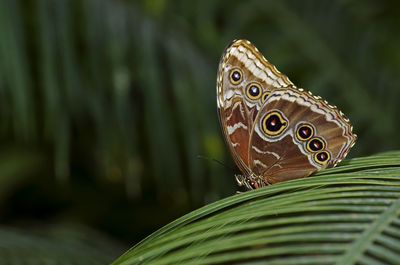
{"points": [[369, 235]]}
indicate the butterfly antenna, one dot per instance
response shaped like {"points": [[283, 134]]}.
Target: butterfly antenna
{"points": [[214, 160]]}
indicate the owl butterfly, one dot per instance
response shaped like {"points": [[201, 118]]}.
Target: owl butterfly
{"points": [[274, 130]]}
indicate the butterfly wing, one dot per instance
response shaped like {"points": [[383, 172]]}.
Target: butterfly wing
{"points": [[245, 79], [296, 134]]}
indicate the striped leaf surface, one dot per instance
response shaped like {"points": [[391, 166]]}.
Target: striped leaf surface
{"points": [[345, 215]]}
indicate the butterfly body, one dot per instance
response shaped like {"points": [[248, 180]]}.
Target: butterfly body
{"points": [[275, 131]]}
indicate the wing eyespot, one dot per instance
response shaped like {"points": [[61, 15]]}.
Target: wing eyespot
{"points": [[274, 123], [265, 96], [236, 76], [304, 132], [315, 144], [253, 90], [322, 157]]}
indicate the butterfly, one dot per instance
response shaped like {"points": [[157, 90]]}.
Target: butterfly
{"points": [[274, 130]]}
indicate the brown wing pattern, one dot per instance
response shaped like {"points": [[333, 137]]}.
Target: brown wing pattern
{"points": [[294, 153], [245, 79], [275, 131]]}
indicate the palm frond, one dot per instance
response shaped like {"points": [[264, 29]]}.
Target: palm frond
{"points": [[345, 215]]}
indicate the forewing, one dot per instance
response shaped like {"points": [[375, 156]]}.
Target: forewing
{"points": [[237, 108]]}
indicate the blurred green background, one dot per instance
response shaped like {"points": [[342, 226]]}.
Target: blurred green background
{"points": [[106, 106]]}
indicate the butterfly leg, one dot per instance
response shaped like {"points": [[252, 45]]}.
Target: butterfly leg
{"points": [[240, 180], [251, 182]]}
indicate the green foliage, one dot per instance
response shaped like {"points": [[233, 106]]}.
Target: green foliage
{"points": [[133, 84], [56, 244], [106, 105], [346, 215]]}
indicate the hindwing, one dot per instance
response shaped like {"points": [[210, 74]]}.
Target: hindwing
{"points": [[313, 135]]}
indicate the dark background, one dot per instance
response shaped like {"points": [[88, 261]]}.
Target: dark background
{"points": [[106, 105]]}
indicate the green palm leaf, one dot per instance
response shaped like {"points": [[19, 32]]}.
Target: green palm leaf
{"points": [[345, 215]]}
